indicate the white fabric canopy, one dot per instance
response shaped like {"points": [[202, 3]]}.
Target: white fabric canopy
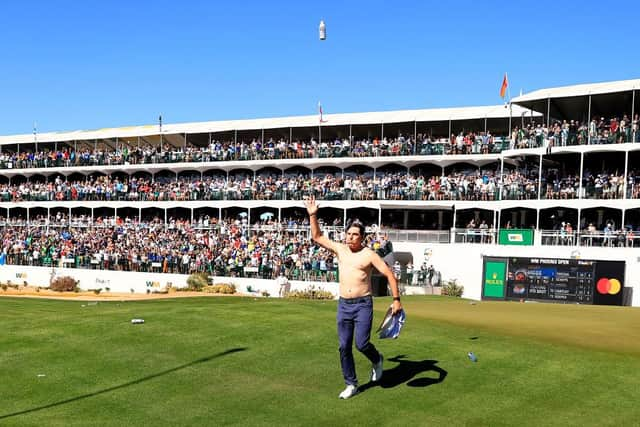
{"points": [[579, 90], [373, 118]]}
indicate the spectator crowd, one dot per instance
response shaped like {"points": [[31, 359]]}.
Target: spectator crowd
{"points": [[532, 135], [229, 247]]}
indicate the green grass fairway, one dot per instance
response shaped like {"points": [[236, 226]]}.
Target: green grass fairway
{"points": [[269, 362]]}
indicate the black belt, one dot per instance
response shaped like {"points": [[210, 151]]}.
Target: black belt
{"points": [[356, 300]]}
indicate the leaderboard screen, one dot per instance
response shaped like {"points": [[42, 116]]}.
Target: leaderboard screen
{"points": [[554, 279], [563, 280]]}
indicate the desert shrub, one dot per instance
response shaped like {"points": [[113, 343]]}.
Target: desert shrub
{"points": [[64, 284], [310, 293], [4, 286], [266, 294], [197, 281], [452, 289], [221, 288], [97, 291]]}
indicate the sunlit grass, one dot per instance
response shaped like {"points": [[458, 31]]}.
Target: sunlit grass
{"points": [[245, 361]]}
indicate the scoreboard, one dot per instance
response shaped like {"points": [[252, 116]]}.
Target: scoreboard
{"points": [[554, 280]]}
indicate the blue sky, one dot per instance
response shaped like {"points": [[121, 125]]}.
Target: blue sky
{"points": [[83, 65]]}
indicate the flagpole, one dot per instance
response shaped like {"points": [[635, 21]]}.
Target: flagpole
{"points": [[506, 76]]}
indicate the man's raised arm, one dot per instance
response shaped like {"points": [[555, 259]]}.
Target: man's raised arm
{"points": [[316, 233]]}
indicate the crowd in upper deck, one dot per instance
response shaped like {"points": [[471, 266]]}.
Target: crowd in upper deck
{"points": [[531, 135]]}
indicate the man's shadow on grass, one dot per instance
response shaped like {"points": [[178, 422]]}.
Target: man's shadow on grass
{"points": [[406, 371], [130, 383]]}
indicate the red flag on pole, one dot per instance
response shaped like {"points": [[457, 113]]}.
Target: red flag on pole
{"points": [[505, 84]]}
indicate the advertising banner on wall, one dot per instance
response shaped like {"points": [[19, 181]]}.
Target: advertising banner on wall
{"points": [[494, 278], [554, 280], [519, 237]]}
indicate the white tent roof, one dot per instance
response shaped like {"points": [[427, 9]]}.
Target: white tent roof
{"points": [[402, 116], [579, 90]]}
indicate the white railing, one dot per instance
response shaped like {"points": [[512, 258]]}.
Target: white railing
{"points": [[616, 239]]}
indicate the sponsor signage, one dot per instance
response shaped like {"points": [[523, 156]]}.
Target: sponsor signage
{"points": [[521, 237], [494, 282], [554, 279]]}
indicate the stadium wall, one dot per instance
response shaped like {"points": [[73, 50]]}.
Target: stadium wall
{"points": [[461, 262], [133, 282]]}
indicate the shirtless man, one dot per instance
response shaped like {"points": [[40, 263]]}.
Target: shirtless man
{"points": [[355, 306]]}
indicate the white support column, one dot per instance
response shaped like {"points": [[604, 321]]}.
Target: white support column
{"points": [[626, 171], [578, 224], [415, 137], [455, 215], [540, 179], [581, 172], [589, 121], [501, 182], [510, 119], [633, 112]]}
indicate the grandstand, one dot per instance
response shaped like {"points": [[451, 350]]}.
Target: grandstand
{"points": [[556, 170]]}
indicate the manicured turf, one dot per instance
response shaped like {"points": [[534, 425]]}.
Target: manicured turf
{"points": [[267, 362]]}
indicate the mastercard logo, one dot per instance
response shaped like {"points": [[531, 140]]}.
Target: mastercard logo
{"points": [[608, 286]]}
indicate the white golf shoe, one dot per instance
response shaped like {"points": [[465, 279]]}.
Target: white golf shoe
{"points": [[376, 370], [348, 392]]}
